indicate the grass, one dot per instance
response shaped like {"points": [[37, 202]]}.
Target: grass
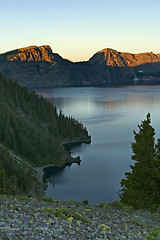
{"points": [[119, 205], [64, 213], [45, 199], [138, 223]]}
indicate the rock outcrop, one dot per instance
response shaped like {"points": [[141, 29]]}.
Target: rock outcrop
{"points": [[35, 67], [39, 67], [34, 53], [121, 59]]}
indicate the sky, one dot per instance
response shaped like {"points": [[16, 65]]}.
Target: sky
{"points": [[77, 29]]}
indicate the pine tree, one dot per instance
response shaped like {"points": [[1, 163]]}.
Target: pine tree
{"points": [[157, 171], [141, 187]]}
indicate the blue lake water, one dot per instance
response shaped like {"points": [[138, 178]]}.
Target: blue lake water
{"points": [[110, 115]]}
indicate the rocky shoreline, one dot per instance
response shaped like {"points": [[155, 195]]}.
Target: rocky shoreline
{"points": [[45, 219], [86, 140], [68, 160]]}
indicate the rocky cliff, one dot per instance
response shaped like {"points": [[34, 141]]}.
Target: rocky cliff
{"points": [[34, 53], [121, 59], [40, 67], [35, 67]]}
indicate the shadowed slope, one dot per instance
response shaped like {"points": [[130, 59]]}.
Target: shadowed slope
{"points": [[39, 67]]}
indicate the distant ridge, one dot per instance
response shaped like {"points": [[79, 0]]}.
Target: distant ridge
{"points": [[40, 67], [34, 53], [123, 59]]}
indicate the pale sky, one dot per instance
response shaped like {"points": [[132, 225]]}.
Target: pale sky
{"points": [[76, 29]]}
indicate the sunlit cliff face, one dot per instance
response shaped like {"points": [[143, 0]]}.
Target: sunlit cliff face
{"points": [[108, 56], [34, 53], [121, 59]]}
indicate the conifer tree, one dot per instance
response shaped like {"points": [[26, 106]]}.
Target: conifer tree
{"points": [[141, 187]]}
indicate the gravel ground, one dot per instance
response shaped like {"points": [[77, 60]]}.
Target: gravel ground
{"points": [[69, 220]]}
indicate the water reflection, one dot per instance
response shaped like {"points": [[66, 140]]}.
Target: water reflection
{"points": [[110, 115]]}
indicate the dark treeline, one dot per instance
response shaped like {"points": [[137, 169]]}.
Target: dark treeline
{"points": [[15, 177], [32, 128]]}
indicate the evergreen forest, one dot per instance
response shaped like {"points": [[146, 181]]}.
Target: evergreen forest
{"points": [[32, 128]]}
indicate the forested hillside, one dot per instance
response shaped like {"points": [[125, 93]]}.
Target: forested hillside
{"points": [[31, 128]]}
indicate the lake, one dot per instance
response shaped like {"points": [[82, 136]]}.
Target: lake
{"points": [[110, 115]]}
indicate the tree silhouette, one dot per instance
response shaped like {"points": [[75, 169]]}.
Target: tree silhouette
{"points": [[141, 187]]}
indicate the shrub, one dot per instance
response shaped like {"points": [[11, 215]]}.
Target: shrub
{"points": [[154, 234], [102, 204], [116, 204], [45, 199], [85, 202]]}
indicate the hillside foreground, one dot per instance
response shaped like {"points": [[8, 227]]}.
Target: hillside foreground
{"points": [[28, 218]]}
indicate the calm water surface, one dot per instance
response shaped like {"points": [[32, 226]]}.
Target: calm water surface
{"points": [[110, 115]]}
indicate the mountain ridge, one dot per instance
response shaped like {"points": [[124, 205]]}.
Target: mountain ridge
{"points": [[111, 56], [40, 67], [34, 53]]}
